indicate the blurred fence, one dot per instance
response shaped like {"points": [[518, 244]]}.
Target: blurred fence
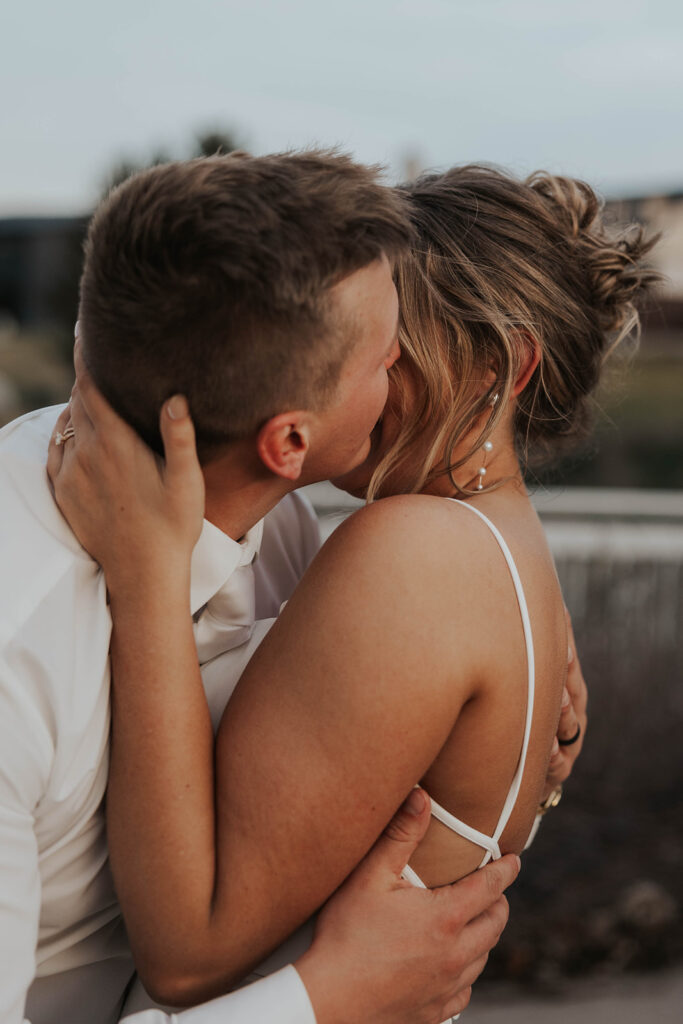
{"points": [[619, 556], [602, 887]]}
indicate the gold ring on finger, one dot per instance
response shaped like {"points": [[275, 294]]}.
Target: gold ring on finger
{"points": [[62, 436]]}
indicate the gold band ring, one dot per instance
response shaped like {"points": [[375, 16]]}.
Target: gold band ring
{"points": [[62, 436]]}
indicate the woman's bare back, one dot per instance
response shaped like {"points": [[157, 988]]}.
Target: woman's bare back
{"points": [[471, 776]]}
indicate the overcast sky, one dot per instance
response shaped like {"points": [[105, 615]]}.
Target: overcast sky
{"points": [[588, 87]]}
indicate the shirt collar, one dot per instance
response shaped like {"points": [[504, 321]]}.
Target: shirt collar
{"points": [[215, 558]]}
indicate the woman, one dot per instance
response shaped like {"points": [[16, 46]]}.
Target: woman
{"points": [[426, 643]]}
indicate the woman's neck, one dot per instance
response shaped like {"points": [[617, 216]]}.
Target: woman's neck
{"points": [[492, 465]]}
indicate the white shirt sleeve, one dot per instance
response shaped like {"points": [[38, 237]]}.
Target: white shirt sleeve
{"points": [[281, 997], [22, 780]]}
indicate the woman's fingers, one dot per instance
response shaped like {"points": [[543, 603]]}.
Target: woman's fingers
{"points": [[177, 433], [124, 505], [55, 452], [84, 429], [477, 901], [104, 420], [568, 726], [575, 680], [573, 717], [571, 728], [182, 474]]}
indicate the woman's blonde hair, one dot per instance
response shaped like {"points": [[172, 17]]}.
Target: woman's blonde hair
{"points": [[498, 265]]}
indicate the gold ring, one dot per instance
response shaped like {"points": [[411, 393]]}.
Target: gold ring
{"points": [[60, 437]]}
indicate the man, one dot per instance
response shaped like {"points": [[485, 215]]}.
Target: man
{"points": [[198, 278]]}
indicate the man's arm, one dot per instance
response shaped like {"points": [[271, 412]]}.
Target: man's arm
{"points": [[24, 766], [387, 952]]}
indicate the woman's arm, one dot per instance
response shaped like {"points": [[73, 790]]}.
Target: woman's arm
{"points": [[343, 699], [347, 700]]}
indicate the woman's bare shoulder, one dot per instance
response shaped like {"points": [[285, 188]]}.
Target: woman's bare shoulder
{"points": [[379, 626], [406, 526], [395, 563], [390, 565]]}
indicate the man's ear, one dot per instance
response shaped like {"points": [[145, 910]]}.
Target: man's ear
{"points": [[530, 357], [283, 442]]}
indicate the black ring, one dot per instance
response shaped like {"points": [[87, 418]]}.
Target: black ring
{"points": [[568, 743]]}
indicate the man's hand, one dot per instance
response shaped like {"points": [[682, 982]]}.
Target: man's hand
{"points": [[129, 509], [573, 720], [393, 954]]}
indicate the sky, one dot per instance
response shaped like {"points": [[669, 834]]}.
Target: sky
{"points": [[592, 88]]}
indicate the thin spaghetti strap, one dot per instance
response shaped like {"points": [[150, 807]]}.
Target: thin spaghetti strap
{"points": [[412, 876], [466, 831], [491, 843], [528, 638]]}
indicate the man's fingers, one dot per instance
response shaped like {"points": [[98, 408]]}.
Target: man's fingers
{"points": [[466, 980], [483, 932], [475, 894], [458, 1004], [396, 845], [472, 972], [474, 943]]}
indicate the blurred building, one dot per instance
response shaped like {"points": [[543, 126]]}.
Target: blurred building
{"points": [[40, 256], [664, 215], [638, 441], [39, 268]]}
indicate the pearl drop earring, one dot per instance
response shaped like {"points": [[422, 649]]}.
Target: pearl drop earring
{"points": [[481, 472], [488, 448]]}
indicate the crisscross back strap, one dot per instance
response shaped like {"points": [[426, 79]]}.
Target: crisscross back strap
{"points": [[490, 843], [513, 792]]}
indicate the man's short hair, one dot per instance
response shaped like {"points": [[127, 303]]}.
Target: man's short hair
{"points": [[211, 278]]}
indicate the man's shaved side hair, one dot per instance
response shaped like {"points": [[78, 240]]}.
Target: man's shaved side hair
{"points": [[212, 278]]}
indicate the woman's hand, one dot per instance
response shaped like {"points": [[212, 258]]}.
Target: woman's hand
{"points": [[129, 509], [571, 729]]}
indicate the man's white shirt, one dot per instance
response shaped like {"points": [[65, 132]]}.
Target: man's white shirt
{"points": [[59, 919]]}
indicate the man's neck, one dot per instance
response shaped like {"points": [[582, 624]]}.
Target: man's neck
{"points": [[239, 494]]}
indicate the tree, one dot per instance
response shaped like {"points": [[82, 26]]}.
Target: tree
{"points": [[208, 142]]}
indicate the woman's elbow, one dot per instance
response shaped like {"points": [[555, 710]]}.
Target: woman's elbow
{"points": [[175, 985]]}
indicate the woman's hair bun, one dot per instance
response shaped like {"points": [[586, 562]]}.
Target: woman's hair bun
{"points": [[612, 260], [498, 262]]}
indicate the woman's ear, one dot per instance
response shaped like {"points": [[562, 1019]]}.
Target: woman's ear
{"points": [[530, 353], [283, 442]]}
